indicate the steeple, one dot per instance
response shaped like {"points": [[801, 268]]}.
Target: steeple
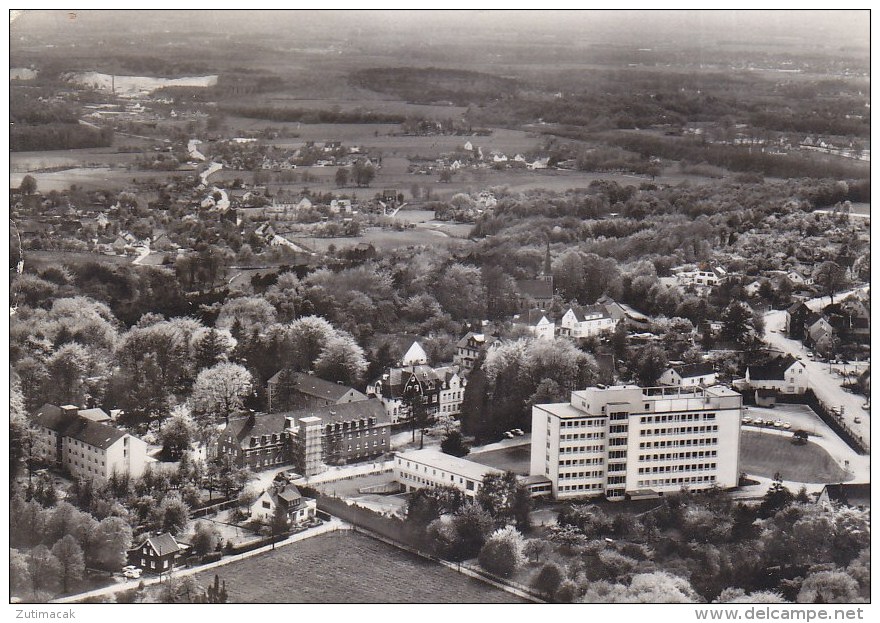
{"points": [[548, 269]]}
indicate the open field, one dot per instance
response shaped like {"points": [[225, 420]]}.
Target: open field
{"points": [[45, 259], [766, 454], [515, 459], [369, 104], [346, 567]]}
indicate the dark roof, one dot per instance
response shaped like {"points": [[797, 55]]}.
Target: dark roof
{"points": [[162, 544], [535, 288], [850, 493], [77, 427], [692, 370], [532, 318], [581, 312], [484, 339], [50, 416], [93, 433], [345, 412], [797, 307], [393, 386], [813, 318], [289, 494], [256, 425], [773, 371], [318, 387]]}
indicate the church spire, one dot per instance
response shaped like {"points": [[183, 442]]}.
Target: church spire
{"points": [[548, 269]]}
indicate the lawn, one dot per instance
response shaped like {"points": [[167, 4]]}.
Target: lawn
{"points": [[346, 567], [515, 459], [766, 454]]}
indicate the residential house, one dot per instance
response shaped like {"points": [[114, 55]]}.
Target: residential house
{"points": [[786, 375], [287, 497], [752, 289], [337, 434], [469, 348], [415, 356], [258, 441], [86, 448], [289, 391], [586, 321], [689, 375], [338, 206], [701, 277], [539, 163], [537, 323], [451, 391], [398, 386], [157, 554], [817, 326], [795, 316], [621, 312]]}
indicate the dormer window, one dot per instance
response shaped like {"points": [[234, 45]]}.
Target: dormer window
{"points": [[253, 441]]}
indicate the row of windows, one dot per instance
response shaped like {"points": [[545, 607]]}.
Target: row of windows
{"points": [[679, 430], [592, 422], [593, 474], [672, 456], [678, 417], [682, 480], [593, 486], [77, 463], [153, 564], [570, 436], [468, 484], [688, 467], [594, 461], [617, 454], [575, 449], [451, 408], [678, 443], [618, 428]]}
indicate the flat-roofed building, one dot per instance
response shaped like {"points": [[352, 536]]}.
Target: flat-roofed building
{"points": [[431, 468], [628, 441]]}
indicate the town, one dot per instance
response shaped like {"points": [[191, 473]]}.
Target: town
{"points": [[559, 356]]}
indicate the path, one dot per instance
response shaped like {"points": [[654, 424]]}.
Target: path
{"points": [[823, 381], [327, 527]]}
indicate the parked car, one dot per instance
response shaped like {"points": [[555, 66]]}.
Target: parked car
{"points": [[508, 434], [518, 432], [777, 423], [133, 573], [759, 421], [747, 420], [866, 406], [857, 420], [786, 425]]}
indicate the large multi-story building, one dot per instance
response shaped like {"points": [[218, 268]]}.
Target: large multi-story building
{"points": [[626, 441], [258, 441], [338, 434], [288, 391], [85, 448]]}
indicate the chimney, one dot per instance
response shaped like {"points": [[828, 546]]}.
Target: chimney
{"points": [[70, 410]]}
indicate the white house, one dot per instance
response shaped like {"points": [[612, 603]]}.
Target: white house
{"points": [[689, 375], [579, 322], [451, 391], [415, 356], [785, 375], [297, 508], [538, 324]]}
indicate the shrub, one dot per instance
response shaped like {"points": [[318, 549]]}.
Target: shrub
{"points": [[549, 578]]}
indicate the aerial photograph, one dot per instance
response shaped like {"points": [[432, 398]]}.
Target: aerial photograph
{"points": [[439, 307]]}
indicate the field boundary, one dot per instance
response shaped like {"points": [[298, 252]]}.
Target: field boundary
{"points": [[458, 567]]}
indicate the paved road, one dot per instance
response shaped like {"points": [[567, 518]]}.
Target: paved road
{"points": [[330, 526], [825, 383]]}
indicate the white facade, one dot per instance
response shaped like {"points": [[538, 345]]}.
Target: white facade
{"points": [[431, 468], [795, 380], [451, 397], [415, 356], [543, 329], [586, 324], [674, 378], [628, 440]]}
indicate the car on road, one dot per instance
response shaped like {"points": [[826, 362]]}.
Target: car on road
{"points": [[508, 434], [759, 422], [132, 573], [786, 425], [777, 423], [518, 432], [747, 420], [835, 411], [857, 420], [866, 406]]}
